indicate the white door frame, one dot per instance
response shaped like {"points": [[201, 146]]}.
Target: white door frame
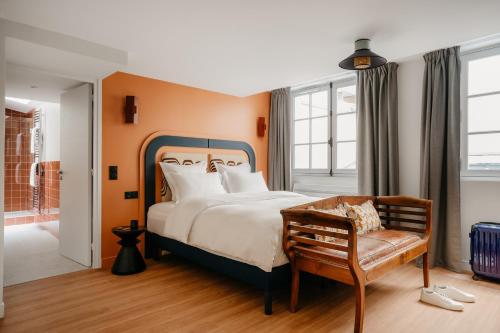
{"points": [[2, 141], [96, 179], [96, 224]]}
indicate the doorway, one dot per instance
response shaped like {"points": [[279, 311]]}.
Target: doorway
{"points": [[48, 186]]}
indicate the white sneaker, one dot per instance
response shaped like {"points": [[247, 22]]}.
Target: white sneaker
{"points": [[454, 293], [430, 296]]}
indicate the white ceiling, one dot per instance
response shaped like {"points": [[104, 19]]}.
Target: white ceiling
{"points": [[35, 86], [57, 61], [245, 47]]}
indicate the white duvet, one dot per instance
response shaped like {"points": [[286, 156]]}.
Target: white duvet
{"points": [[243, 226]]}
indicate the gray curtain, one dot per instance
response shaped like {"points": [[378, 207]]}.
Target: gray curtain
{"points": [[377, 131], [279, 162], [440, 153]]}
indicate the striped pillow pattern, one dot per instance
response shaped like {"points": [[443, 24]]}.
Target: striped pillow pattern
{"points": [[231, 160]]}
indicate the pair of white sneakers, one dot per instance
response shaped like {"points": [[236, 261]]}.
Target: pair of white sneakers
{"points": [[446, 297]]}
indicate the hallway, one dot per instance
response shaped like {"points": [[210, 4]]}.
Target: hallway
{"points": [[32, 253]]}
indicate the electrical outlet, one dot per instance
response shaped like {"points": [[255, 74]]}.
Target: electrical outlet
{"points": [[131, 195]]}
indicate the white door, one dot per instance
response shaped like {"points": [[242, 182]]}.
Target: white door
{"points": [[76, 178]]}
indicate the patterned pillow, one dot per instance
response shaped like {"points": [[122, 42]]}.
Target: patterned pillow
{"points": [[339, 211], [179, 159], [225, 159], [365, 216]]}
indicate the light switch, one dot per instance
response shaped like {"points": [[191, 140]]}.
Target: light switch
{"points": [[113, 172]]}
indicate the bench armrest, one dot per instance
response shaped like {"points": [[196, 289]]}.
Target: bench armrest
{"points": [[300, 226]]}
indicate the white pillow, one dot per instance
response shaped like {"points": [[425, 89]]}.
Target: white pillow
{"points": [[195, 185], [245, 182], [222, 169], [169, 168]]}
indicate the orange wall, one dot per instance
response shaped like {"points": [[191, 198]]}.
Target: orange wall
{"points": [[172, 109]]}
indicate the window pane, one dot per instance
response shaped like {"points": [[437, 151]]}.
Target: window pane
{"points": [[484, 151], [346, 155], [480, 144], [484, 75], [319, 129], [302, 131], [319, 104], [319, 156], [301, 157], [491, 162], [346, 99], [484, 113], [346, 127], [302, 107]]}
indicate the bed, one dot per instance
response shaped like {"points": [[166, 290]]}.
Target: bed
{"points": [[249, 246]]}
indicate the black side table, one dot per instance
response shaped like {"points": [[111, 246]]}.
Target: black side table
{"points": [[129, 259]]}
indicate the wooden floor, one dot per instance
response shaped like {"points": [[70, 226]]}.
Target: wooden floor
{"points": [[176, 296]]}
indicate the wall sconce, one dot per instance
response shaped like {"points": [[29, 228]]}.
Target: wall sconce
{"points": [[131, 112], [261, 126]]}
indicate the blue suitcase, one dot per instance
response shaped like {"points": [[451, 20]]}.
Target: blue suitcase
{"points": [[485, 250]]}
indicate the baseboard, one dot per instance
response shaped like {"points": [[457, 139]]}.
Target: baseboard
{"points": [[466, 266], [2, 310], [106, 263]]}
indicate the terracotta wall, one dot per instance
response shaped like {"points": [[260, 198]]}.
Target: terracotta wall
{"points": [[32, 218], [17, 191], [172, 109], [49, 185]]}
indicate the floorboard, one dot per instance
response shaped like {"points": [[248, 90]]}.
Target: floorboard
{"points": [[177, 296]]}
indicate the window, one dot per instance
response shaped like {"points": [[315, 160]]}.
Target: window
{"points": [[324, 128], [481, 113]]}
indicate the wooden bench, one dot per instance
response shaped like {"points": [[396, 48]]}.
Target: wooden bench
{"points": [[351, 258]]}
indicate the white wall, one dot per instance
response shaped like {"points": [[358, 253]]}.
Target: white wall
{"points": [[410, 76], [480, 198], [480, 203], [324, 186], [51, 131], [61, 54], [2, 142]]}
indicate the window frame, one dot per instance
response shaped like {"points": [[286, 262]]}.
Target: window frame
{"points": [[331, 87], [467, 57], [309, 91], [335, 85]]}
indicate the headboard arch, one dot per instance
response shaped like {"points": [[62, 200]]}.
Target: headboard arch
{"points": [[180, 141]]}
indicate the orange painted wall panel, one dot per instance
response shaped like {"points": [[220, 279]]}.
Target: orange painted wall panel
{"points": [[172, 109]]}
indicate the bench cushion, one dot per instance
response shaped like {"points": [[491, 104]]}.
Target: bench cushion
{"points": [[365, 216], [375, 246]]}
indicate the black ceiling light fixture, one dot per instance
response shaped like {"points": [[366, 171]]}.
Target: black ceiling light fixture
{"points": [[362, 58]]}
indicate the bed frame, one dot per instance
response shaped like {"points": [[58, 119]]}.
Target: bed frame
{"points": [[155, 243]]}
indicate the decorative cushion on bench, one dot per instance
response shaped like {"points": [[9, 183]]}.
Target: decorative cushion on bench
{"points": [[365, 216], [374, 246]]}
